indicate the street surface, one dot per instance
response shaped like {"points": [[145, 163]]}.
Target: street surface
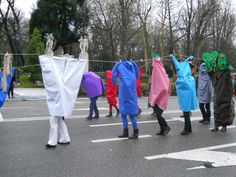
{"points": [[95, 150]]}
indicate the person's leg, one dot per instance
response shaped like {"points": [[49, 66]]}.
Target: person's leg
{"points": [[117, 110], [135, 127], [96, 108], [65, 138], [53, 133], [110, 108], [203, 111], [133, 121], [139, 111], [208, 111], [153, 113], [125, 126], [91, 107], [187, 124], [12, 92], [224, 128], [8, 94], [110, 111], [164, 128]]}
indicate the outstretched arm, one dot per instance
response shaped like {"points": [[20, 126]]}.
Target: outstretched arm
{"points": [[175, 62]]}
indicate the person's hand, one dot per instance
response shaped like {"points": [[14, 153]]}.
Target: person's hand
{"points": [[191, 57]]}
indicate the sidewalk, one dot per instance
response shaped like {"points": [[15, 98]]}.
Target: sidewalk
{"points": [[29, 94]]}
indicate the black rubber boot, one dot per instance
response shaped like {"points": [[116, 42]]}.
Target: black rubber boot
{"points": [[109, 115], [125, 133], [135, 134], [187, 124], [166, 127], [223, 129], [166, 131], [161, 127]]}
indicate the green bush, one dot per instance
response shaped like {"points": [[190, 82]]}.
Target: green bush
{"points": [[173, 89], [144, 88], [25, 82], [145, 78], [36, 77]]}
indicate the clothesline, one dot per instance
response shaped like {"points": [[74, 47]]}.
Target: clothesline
{"points": [[139, 60], [165, 58]]}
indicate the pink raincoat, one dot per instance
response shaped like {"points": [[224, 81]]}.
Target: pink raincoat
{"points": [[160, 85]]}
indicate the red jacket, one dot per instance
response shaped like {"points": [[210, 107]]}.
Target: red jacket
{"points": [[110, 89], [138, 83]]}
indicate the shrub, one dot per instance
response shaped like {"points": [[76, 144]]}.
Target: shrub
{"points": [[144, 88], [145, 78], [25, 82], [173, 89]]}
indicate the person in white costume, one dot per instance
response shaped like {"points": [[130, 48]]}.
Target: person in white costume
{"points": [[62, 77]]}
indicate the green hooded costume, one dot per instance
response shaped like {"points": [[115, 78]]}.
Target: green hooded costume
{"points": [[218, 68]]}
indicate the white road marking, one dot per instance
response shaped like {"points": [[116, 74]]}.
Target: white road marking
{"points": [[40, 118], [75, 116], [118, 139], [139, 122], [87, 109], [207, 155], [231, 126], [17, 107], [1, 118], [228, 127], [191, 118]]}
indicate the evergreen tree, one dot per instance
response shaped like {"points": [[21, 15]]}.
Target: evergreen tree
{"points": [[66, 19], [36, 46]]}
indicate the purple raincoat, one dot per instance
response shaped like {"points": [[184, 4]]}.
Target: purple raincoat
{"points": [[92, 84]]}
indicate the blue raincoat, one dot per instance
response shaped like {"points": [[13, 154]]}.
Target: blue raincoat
{"points": [[185, 85], [128, 72], [204, 90], [3, 94]]}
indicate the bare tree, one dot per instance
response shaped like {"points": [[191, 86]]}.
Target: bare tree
{"points": [[205, 10], [223, 26], [143, 11], [127, 25], [103, 21], [11, 23]]}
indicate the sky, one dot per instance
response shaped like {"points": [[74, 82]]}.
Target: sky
{"points": [[27, 5]]}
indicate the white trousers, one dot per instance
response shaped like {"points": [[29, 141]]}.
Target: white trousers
{"points": [[57, 122]]}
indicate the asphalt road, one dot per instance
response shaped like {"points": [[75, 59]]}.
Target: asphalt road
{"points": [[95, 152]]}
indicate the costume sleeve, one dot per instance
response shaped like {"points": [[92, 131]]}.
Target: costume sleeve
{"points": [[175, 62], [189, 58], [114, 73]]}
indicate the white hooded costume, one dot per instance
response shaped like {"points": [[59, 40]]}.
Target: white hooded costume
{"points": [[62, 78]]}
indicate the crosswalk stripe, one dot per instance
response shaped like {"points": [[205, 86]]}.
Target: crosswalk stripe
{"points": [[118, 139]]}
